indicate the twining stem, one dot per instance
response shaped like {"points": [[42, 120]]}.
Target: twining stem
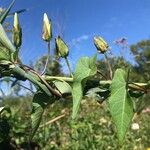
{"points": [[109, 66], [68, 64], [47, 60]]}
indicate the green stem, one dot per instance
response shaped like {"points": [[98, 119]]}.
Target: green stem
{"points": [[47, 60], [67, 79], [133, 85], [67, 61], [109, 66]]}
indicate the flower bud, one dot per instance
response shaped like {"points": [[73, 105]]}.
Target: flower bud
{"points": [[17, 32], [47, 29], [61, 47], [100, 44]]}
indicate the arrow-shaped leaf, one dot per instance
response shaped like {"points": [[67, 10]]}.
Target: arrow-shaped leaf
{"points": [[120, 103], [85, 68]]}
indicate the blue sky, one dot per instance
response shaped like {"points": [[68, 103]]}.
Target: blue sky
{"points": [[80, 20]]}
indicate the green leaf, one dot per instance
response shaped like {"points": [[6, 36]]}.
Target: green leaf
{"points": [[5, 13], [40, 101], [120, 103], [4, 54], [36, 116], [4, 40], [63, 87], [85, 69]]}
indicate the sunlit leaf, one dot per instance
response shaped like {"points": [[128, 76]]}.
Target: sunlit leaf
{"points": [[120, 103], [85, 69]]}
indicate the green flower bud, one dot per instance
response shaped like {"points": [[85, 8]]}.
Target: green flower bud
{"points": [[47, 28], [17, 32], [61, 47], [100, 44]]}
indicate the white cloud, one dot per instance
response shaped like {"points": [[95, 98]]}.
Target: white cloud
{"points": [[77, 40]]}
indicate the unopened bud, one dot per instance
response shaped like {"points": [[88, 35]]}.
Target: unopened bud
{"points": [[17, 32], [47, 28], [100, 44], [61, 47]]}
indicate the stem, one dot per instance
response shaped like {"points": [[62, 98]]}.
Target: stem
{"points": [[67, 61], [35, 78], [47, 60], [134, 86], [109, 66], [139, 86], [67, 79]]}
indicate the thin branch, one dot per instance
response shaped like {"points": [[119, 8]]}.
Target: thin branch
{"points": [[47, 60], [109, 66], [53, 120]]}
